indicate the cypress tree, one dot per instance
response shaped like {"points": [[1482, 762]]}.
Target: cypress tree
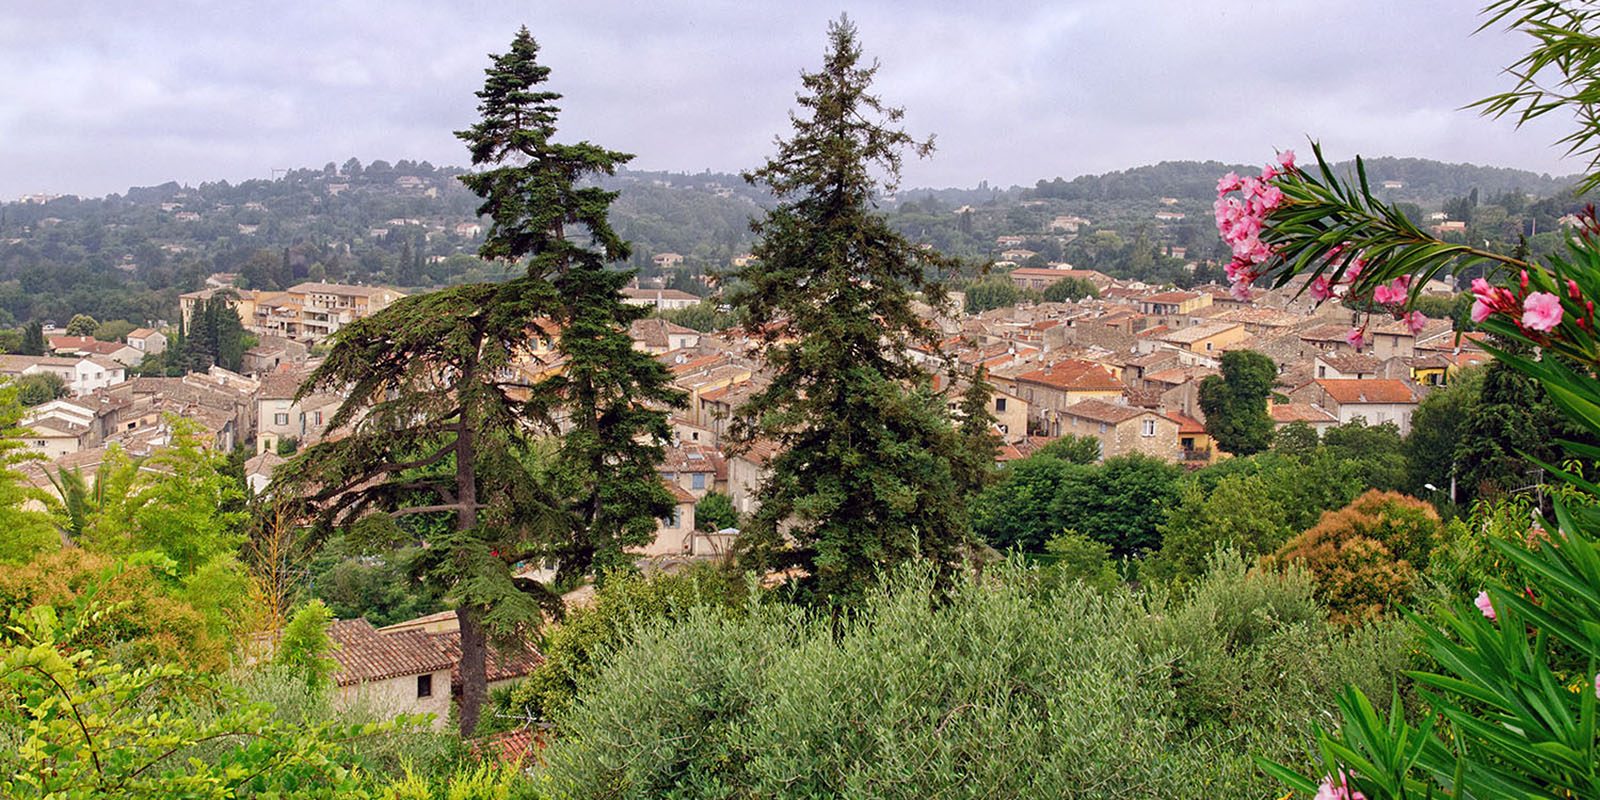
{"points": [[870, 472]]}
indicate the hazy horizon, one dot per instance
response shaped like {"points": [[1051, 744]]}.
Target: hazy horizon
{"points": [[108, 98]]}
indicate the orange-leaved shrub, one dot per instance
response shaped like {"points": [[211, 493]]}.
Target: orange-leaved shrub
{"points": [[1365, 557]]}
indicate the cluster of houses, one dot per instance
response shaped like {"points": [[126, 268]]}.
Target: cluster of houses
{"points": [[1123, 370]]}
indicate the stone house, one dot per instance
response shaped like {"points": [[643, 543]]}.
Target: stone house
{"points": [[1049, 391], [401, 672], [1123, 429], [1376, 400]]}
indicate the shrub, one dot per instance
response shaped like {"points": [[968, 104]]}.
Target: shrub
{"points": [[994, 691], [1365, 558]]}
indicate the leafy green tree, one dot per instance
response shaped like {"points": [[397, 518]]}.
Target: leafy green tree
{"points": [[1438, 430], [1120, 503], [1069, 289], [867, 474], [705, 316], [305, 646], [10, 341], [33, 343], [27, 529], [41, 387], [114, 330], [993, 291], [715, 512], [612, 394], [1296, 440], [82, 325], [1071, 448], [1512, 421], [1379, 449], [1235, 402], [1017, 510]]}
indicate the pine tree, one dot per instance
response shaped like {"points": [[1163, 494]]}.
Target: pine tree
{"points": [[870, 469], [435, 430], [610, 394]]}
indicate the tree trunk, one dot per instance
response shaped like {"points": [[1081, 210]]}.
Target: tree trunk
{"points": [[474, 669]]}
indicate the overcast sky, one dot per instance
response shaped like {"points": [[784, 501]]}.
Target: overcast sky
{"points": [[97, 96]]}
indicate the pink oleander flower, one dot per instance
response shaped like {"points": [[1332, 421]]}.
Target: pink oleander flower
{"points": [[1240, 291], [1227, 183], [1271, 197], [1320, 289], [1356, 337], [1286, 159], [1388, 295], [1484, 605], [1480, 310], [1416, 321], [1340, 791], [1572, 289], [1541, 311]]}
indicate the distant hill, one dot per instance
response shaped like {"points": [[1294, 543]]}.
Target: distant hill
{"points": [[1424, 182]]}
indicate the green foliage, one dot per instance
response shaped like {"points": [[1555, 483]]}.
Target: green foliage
{"points": [[1235, 402], [870, 472], [305, 645], [715, 512], [124, 609], [82, 325], [1071, 448], [1120, 503], [575, 650], [705, 316], [1071, 557], [1000, 691], [1256, 654], [1439, 430], [87, 728], [379, 586], [115, 330], [1366, 557], [1068, 289], [288, 446], [1251, 505], [994, 291], [39, 388], [27, 530], [1379, 450]]}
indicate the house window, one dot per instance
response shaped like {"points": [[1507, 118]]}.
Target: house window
{"points": [[1149, 427], [1322, 371], [1208, 345], [697, 480], [999, 404], [672, 521], [424, 686], [280, 419], [1102, 427], [318, 418]]}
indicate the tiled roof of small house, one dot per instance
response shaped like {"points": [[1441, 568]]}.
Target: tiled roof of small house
{"points": [[365, 654]]}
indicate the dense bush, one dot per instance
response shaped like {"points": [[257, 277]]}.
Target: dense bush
{"points": [[622, 605], [1366, 557], [997, 690]]}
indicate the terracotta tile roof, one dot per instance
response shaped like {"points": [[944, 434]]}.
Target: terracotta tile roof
{"points": [[365, 655], [1370, 390], [1351, 363], [1101, 411], [1074, 375], [1007, 452], [1171, 297], [679, 494], [1196, 333], [514, 746], [1285, 413], [1186, 423], [1326, 333], [503, 663]]}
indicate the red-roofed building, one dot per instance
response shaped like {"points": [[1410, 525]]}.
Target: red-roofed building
{"points": [[402, 672], [1376, 400], [1051, 390]]}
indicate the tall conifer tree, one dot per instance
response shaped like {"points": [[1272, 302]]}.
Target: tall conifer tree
{"points": [[870, 472], [610, 396]]}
